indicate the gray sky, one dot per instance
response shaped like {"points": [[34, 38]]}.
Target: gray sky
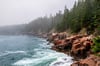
{"points": [[24, 11]]}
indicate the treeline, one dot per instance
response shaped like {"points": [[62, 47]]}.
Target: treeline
{"points": [[40, 25], [84, 14], [44, 24]]}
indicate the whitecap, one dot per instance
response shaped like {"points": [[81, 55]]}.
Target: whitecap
{"points": [[24, 61], [12, 52], [62, 61], [57, 59]]}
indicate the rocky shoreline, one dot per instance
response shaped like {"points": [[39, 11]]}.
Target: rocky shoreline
{"points": [[77, 46]]}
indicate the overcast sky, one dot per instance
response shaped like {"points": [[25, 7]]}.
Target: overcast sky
{"points": [[24, 11]]}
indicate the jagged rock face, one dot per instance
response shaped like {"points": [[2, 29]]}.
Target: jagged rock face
{"points": [[90, 61], [60, 44], [81, 46], [78, 44], [52, 37], [59, 36], [98, 63]]}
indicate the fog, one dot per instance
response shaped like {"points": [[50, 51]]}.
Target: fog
{"points": [[23, 11]]}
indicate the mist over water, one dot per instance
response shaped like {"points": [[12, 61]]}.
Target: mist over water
{"points": [[29, 51]]}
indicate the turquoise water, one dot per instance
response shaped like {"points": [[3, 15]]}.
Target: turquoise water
{"points": [[29, 51]]}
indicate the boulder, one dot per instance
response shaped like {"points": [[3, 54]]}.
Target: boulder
{"points": [[62, 44], [57, 41], [77, 44], [98, 63], [89, 61], [81, 46]]}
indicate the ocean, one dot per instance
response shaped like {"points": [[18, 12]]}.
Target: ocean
{"points": [[24, 50]]}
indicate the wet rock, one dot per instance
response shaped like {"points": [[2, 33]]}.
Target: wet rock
{"points": [[81, 46], [77, 44], [98, 63], [59, 36], [89, 61]]}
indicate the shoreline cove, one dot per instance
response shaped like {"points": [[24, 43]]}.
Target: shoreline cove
{"points": [[30, 51], [76, 46]]}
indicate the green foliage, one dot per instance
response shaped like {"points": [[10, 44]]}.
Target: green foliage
{"points": [[84, 14], [61, 26], [43, 24], [96, 46]]}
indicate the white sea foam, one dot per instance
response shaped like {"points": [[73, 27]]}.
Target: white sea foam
{"points": [[45, 45], [58, 59], [12, 52], [62, 61], [15, 51], [24, 61], [44, 56]]}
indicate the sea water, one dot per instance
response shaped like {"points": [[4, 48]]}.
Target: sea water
{"points": [[30, 51]]}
